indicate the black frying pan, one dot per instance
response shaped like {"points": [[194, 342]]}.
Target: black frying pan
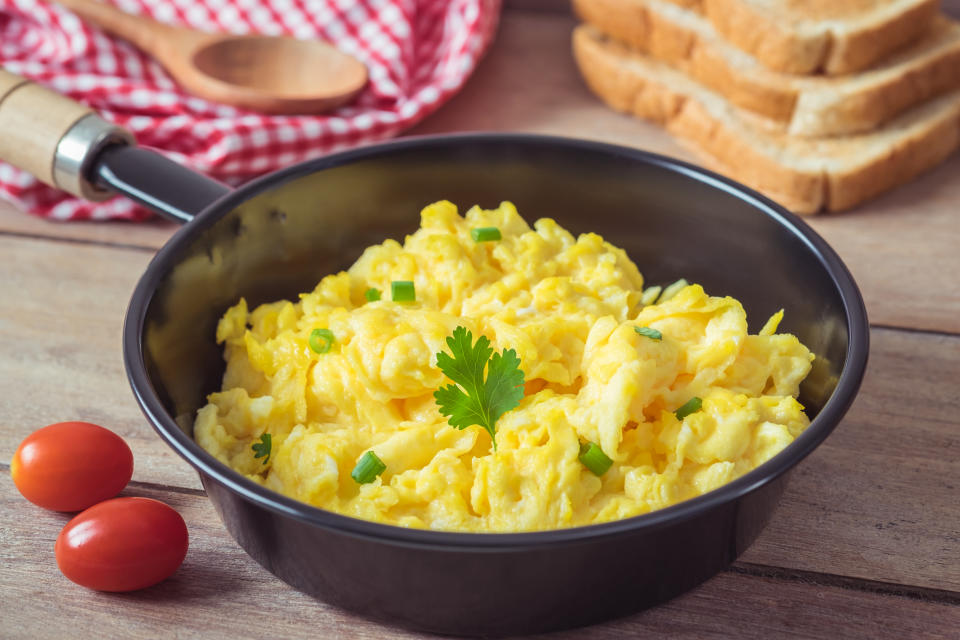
{"points": [[278, 235]]}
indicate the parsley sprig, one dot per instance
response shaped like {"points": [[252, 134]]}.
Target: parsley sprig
{"points": [[475, 399], [262, 449]]}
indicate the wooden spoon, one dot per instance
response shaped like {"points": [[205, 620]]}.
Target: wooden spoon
{"points": [[272, 74]]}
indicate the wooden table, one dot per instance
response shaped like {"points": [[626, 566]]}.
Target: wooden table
{"points": [[866, 542]]}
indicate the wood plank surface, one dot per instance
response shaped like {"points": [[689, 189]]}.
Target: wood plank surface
{"points": [[219, 592], [552, 6], [61, 318], [905, 266], [866, 542], [149, 235], [913, 230], [884, 488], [880, 488], [950, 7]]}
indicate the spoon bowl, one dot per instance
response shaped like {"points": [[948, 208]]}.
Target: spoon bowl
{"points": [[273, 74], [270, 74]]}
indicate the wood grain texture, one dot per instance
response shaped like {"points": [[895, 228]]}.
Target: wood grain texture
{"points": [[149, 235], [220, 592], [872, 512], [880, 499], [552, 6], [61, 315], [900, 247], [33, 119], [880, 489], [272, 74], [949, 7], [901, 250], [912, 230]]}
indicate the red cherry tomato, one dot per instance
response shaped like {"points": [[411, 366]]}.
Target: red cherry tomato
{"points": [[70, 466], [122, 544]]}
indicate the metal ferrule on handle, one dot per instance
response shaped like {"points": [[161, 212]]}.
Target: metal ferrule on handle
{"points": [[53, 137]]}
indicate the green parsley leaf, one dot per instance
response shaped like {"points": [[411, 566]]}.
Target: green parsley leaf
{"points": [[478, 400], [653, 334], [262, 449]]}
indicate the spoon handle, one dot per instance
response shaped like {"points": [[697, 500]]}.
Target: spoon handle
{"points": [[146, 34]]}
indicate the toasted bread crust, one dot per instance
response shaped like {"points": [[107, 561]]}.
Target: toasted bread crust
{"points": [[809, 107], [749, 155], [775, 45], [861, 48], [834, 110], [632, 22], [632, 93], [902, 162], [800, 49]]}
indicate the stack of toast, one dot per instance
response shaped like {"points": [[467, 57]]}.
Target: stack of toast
{"points": [[819, 104]]}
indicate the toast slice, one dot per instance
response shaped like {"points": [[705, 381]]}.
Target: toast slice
{"points": [[805, 175], [810, 106], [818, 36]]}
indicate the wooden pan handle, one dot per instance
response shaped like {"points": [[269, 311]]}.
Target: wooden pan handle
{"points": [[53, 137]]}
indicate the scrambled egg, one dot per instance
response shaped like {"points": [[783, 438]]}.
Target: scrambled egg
{"points": [[569, 307]]}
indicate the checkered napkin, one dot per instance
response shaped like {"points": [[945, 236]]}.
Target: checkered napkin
{"points": [[418, 53]]}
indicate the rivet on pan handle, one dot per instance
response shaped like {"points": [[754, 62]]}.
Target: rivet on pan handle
{"points": [[53, 137]]}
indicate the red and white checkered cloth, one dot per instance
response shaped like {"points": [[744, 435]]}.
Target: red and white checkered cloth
{"points": [[418, 53]]}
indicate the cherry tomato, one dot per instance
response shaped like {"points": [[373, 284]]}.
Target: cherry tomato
{"points": [[70, 466], [122, 544]]}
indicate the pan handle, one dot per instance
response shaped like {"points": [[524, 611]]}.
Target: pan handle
{"points": [[68, 146], [156, 182]]}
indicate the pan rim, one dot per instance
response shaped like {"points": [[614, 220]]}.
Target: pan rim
{"points": [[209, 468]]}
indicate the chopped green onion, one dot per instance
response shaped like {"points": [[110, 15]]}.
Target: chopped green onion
{"points": [[593, 458], [321, 340], [403, 291], [673, 289], [262, 449], [650, 294], [485, 234], [690, 406], [653, 334], [372, 294], [369, 466]]}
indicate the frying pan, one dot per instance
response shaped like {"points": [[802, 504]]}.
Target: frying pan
{"points": [[278, 235]]}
